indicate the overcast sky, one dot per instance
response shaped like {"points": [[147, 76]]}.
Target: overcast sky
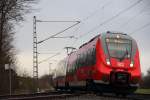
{"points": [[96, 16]]}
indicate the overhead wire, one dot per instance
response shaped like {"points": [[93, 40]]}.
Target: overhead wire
{"points": [[90, 16], [59, 32], [93, 14], [49, 58], [133, 17], [112, 18], [81, 22], [141, 28], [96, 11], [99, 25], [106, 21], [53, 36], [121, 12], [45, 53]]}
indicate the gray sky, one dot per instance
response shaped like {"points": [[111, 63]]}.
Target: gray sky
{"points": [[97, 15]]}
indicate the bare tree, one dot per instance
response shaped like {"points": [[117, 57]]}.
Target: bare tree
{"points": [[11, 12]]}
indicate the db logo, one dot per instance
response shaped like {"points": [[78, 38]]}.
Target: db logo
{"points": [[120, 64]]}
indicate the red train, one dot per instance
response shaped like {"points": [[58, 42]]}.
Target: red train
{"points": [[108, 62]]}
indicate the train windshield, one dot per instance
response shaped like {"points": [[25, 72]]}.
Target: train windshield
{"points": [[119, 48]]}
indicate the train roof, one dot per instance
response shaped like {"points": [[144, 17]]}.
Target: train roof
{"points": [[112, 34], [109, 34], [115, 32], [89, 41]]}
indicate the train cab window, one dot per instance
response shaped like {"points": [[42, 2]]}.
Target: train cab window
{"points": [[119, 48]]}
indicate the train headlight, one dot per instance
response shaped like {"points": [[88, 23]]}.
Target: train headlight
{"points": [[107, 62], [131, 64]]}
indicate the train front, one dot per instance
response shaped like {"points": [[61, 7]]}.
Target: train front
{"points": [[121, 65]]}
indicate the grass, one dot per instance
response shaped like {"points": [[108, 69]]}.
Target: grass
{"points": [[143, 91]]}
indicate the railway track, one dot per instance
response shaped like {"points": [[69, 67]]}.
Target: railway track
{"points": [[63, 95], [139, 96], [41, 96]]}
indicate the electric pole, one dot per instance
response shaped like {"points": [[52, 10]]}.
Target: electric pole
{"points": [[35, 55], [36, 42]]}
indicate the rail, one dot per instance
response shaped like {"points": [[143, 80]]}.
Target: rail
{"points": [[53, 95]]}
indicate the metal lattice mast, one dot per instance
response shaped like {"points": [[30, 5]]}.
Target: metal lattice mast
{"points": [[36, 42], [35, 53]]}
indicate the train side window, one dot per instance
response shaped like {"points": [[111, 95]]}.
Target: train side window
{"points": [[81, 60], [69, 68], [77, 62], [93, 56], [74, 66], [88, 57], [84, 59]]}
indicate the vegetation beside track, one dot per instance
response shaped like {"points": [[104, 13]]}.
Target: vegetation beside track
{"points": [[143, 91]]}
